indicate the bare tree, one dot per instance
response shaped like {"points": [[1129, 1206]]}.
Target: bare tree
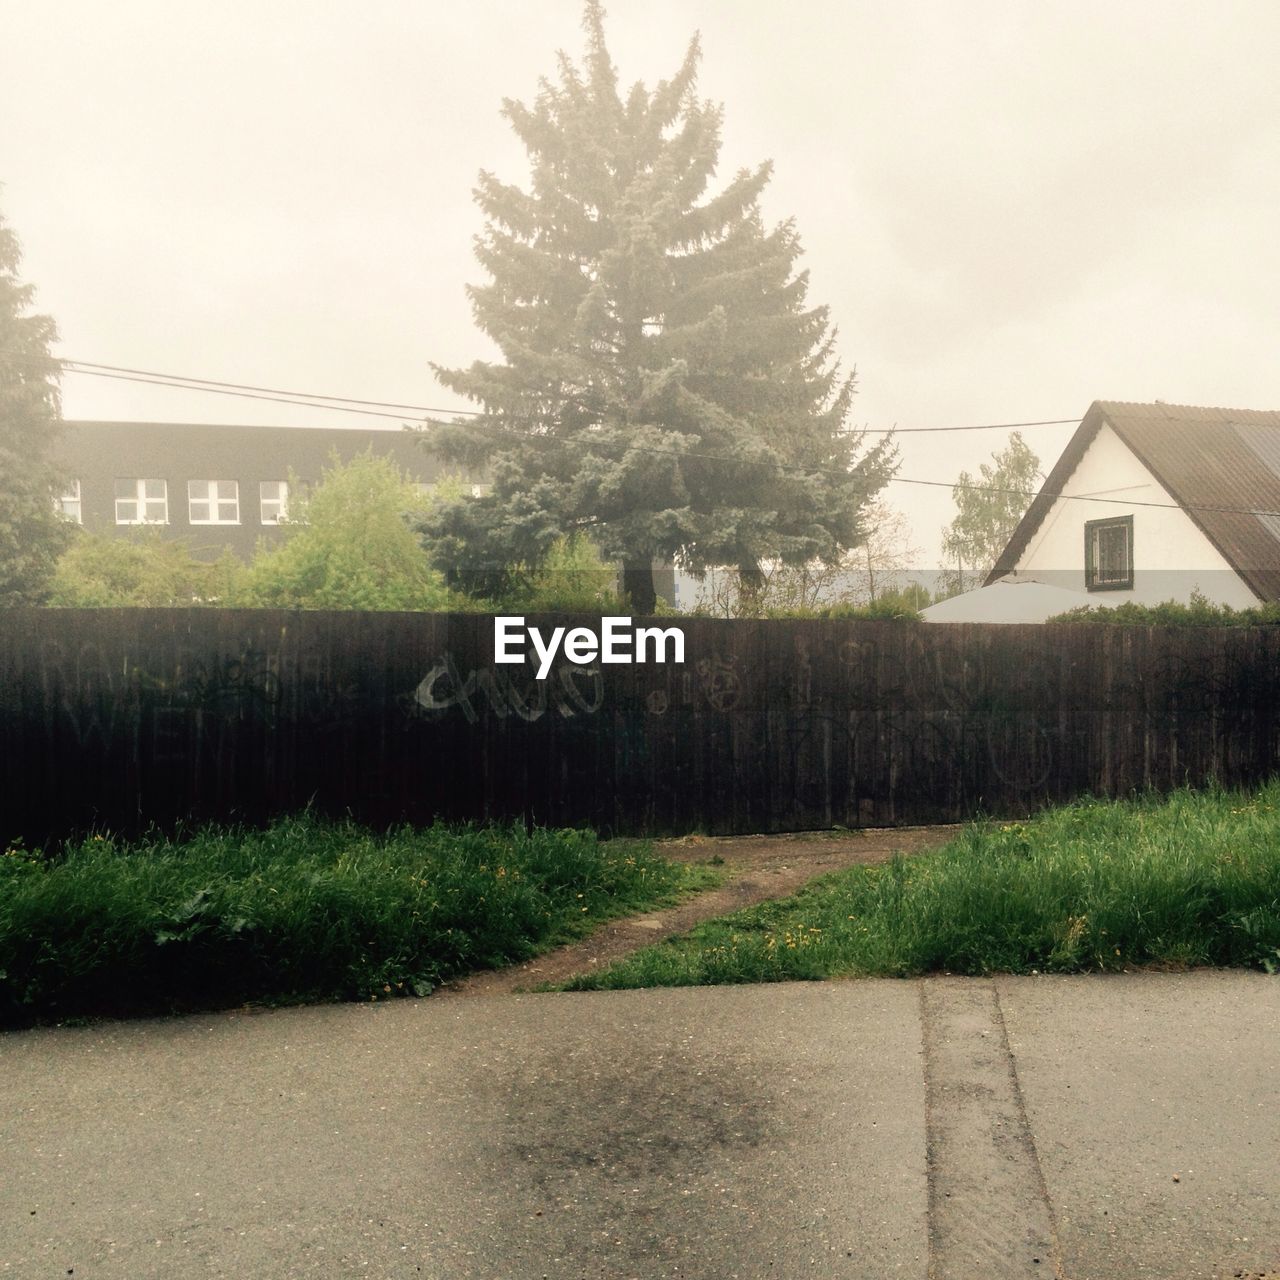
{"points": [[862, 576]]}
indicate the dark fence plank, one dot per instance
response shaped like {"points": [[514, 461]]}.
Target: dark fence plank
{"points": [[121, 718]]}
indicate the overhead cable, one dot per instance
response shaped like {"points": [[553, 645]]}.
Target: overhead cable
{"points": [[347, 404], [183, 383]]}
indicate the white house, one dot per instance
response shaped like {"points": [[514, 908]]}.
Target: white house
{"points": [[1150, 502]]}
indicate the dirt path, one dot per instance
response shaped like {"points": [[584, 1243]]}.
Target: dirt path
{"points": [[760, 868]]}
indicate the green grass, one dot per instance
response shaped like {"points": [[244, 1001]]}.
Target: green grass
{"points": [[305, 910], [1192, 879]]}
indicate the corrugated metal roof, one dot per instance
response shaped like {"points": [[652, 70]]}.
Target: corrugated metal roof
{"points": [[1208, 459]]}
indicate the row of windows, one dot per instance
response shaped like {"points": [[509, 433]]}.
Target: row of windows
{"points": [[208, 501]]}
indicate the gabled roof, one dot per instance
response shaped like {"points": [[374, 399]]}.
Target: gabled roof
{"points": [[1219, 465]]}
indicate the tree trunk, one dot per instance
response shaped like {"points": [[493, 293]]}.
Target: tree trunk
{"points": [[751, 585], [637, 584]]}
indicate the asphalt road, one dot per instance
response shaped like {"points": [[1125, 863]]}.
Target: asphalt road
{"points": [[1074, 1127]]}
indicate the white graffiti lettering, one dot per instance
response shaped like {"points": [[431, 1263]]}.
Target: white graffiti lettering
{"points": [[576, 690]]}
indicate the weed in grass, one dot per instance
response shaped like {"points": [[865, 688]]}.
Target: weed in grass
{"points": [[1189, 879], [305, 910]]}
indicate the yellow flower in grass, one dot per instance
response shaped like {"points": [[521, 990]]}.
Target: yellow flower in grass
{"points": [[1076, 926]]}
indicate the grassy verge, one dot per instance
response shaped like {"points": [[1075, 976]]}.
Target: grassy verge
{"points": [[306, 910], [1192, 879]]}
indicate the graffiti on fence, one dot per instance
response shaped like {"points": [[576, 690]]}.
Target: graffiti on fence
{"points": [[571, 691], [771, 725], [184, 702], [720, 683]]}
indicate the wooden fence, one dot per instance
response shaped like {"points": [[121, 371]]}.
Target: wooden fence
{"points": [[120, 718]]}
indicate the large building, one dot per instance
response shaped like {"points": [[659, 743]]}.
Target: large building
{"points": [[216, 486]]}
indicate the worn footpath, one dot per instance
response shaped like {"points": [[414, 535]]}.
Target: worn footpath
{"points": [[758, 868]]}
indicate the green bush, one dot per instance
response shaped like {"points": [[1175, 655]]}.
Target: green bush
{"points": [[572, 579], [1197, 612], [305, 910], [347, 544], [142, 570], [1189, 880]]}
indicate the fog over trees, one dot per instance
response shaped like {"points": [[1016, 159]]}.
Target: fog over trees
{"points": [[31, 534], [665, 386]]}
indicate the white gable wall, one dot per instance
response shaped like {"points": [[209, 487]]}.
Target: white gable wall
{"points": [[1171, 556]]}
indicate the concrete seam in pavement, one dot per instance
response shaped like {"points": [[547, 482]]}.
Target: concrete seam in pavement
{"points": [[1029, 1136], [989, 1216], [930, 1132]]}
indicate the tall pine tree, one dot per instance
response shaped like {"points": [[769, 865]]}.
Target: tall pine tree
{"points": [[31, 535], [664, 386]]}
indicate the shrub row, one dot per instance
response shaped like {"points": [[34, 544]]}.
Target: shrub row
{"points": [[1193, 879], [305, 910]]}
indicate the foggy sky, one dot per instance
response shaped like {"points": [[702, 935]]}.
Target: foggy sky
{"points": [[1012, 209]]}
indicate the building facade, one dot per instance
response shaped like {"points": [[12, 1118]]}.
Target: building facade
{"points": [[214, 486]]}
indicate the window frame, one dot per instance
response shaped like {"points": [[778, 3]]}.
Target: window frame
{"points": [[141, 500], [213, 500], [281, 501], [69, 503], [1091, 529]]}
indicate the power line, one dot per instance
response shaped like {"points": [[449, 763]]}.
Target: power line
{"points": [[933, 484], [348, 405], [975, 488], [211, 384], [257, 396], [181, 382], [1084, 497], [980, 426]]}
